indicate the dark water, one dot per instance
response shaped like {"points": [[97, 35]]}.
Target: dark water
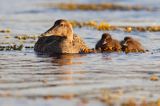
{"points": [[24, 75]]}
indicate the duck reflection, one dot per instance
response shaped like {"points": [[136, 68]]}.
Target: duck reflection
{"points": [[63, 72], [66, 73], [66, 59]]}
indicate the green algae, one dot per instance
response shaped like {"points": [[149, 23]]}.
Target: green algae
{"points": [[11, 47]]}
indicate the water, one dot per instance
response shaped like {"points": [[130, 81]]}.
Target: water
{"points": [[25, 75]]}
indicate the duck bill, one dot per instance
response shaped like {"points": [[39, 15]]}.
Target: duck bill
{"points": [[46, 34], [51, 32], [125, 44], [104, 42]]}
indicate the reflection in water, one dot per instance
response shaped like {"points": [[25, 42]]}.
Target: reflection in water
{"points": [[66, 59], [63, 63], [106, 56], [67, 73]]}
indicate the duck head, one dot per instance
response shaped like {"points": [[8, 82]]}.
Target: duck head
{"points": [[106, 37], [128, 40], [62, 28]]}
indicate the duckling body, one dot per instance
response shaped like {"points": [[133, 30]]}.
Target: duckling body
{"points": [[60, 39], [107, 43], [131, 45]]}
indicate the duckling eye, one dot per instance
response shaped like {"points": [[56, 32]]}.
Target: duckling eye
{"points": [[61, 24]]}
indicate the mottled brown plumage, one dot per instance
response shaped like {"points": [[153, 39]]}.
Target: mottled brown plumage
{"points": [[61, 39], [131, 45], [107, 43]]}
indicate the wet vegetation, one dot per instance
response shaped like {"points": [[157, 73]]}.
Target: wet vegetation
{"points": [[12, 47], [96, 7], [25, 37], [104, 26], [5, 30]]}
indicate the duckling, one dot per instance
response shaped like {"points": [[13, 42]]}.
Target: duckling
{"points": [[131, 45], [61, 39], [107, 43]]}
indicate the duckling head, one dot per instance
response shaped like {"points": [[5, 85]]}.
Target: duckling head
{"points": [[106, 37], [128, 38], [128, 41], [62, 28]]}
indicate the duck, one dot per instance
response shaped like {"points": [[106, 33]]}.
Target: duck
{"points": [[107, 43], [60, 39], [130, 44]]}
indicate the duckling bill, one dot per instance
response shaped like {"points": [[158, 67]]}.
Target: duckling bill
{"points": [[107, 43]]}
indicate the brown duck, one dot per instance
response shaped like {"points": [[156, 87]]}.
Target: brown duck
{"points": [[61, 39], [107, 43], [131, 45]]}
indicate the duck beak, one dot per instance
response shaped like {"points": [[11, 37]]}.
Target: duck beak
{"points": [[125, 44], [46, 34], [104, 43], [51, 31]]}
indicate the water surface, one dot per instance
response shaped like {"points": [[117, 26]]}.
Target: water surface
{"points": [[25, 75]]}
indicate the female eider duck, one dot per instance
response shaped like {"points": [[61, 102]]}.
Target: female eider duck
{"points": [[107, 43], [61, 39], [131, 45]]}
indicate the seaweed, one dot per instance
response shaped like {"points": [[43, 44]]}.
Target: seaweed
{"points": [[11, 47], [5, 30], [105, 26], [97, 7], [25, 37]]}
